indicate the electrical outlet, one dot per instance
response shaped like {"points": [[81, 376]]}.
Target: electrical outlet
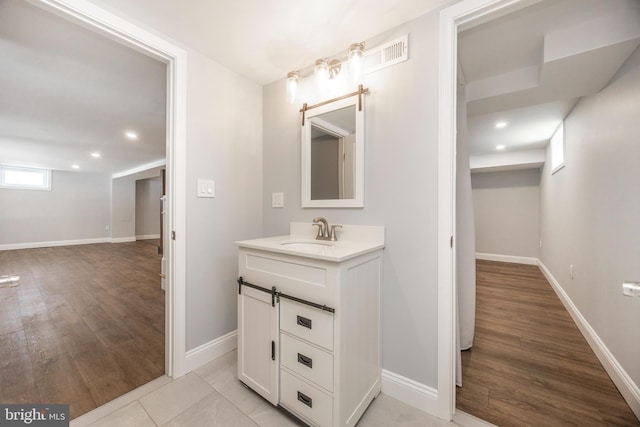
{"points": [[277, 200]]}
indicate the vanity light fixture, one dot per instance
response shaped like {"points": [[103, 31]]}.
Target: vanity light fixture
{"points": [[500, 125], [326, 69], [355, 58], [292, 86], [500, 147]]}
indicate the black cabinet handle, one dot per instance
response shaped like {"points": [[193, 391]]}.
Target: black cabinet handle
{"points": [[304, 322], [305, 399], [273, 350], [306, 361]]}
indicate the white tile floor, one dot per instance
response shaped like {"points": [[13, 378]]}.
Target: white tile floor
{"points": [[213, 396]]}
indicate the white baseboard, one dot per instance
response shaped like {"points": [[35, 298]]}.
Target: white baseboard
{"points": [[122, 239], [207, 352], [507, 258], [627, 387], [411, 392], [32, 245], [467, 420], [148, 236]]}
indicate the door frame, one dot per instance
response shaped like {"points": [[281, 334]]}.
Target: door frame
{"points": [[90, 16], [461, 16]]}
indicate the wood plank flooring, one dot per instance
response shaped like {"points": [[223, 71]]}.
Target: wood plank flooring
{"points": [[85, 325], [530, 365]]}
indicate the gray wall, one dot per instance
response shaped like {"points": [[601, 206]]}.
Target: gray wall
{"points": [[123, 207], [506, 210], [224, 143], [148, 193], [400, 191], [589, 213], [76, 208], [123, 203]]}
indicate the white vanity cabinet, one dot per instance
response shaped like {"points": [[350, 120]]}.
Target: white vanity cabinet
{"points": [[321, 318]]}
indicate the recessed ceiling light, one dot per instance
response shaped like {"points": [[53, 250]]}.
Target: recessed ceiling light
{"points": [[131, 135], [75, 166], [500, 125], [95, 155], [499, 147]]}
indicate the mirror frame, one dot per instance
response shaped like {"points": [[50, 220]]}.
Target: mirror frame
{"points": [[358, 200]]}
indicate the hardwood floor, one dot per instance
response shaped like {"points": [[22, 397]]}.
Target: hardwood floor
{"points": [[85, 325], [530, 365]]}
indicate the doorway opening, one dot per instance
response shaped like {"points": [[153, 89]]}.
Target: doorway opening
{"points": [[470, 14], [112, 27]]}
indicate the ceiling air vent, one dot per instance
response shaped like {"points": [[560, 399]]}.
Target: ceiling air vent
{"points": [[387, 54]]}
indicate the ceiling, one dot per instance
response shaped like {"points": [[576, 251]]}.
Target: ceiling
{"points": [[530, 67], [68, 92], [264, 40]]}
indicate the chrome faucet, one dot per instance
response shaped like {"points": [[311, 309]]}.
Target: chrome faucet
{"points": [[323, 228], [324, 232]]}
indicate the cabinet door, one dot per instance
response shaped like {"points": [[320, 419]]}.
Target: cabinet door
{"points": [[258, 349]]}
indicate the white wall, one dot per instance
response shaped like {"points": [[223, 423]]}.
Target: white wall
{"points": [[590, 213], [148, 193], [76, 208], [400, 190], [506, 210], [465, 235]]}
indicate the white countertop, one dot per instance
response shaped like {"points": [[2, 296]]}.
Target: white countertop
{"points": [[353, 240]]}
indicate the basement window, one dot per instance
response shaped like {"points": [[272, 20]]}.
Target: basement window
{"points": [[21, 178], [557, 149]]}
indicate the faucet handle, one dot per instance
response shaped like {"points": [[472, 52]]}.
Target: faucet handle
{"points": [[334, 236], [320, 227]]}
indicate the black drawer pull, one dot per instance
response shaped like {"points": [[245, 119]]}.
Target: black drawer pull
{"points": [[304, 322], [305, 399], [306, 361]]}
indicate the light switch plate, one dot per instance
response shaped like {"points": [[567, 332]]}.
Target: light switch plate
{"points": [[206, 188], [277, 200]]}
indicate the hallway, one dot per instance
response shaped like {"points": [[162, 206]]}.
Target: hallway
{"points": [[530, 365]]}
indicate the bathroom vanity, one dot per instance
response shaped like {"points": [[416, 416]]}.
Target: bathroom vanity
{"points": [[309, 322]]}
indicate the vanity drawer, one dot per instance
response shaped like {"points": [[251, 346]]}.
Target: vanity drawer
{"points": [[308, 323], [310, 362], [303, 278], [305, 399]]}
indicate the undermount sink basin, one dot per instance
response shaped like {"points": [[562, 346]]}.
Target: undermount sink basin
{"points": [[314, 247]]}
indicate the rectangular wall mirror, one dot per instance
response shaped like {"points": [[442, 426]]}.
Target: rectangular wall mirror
{"points": [[333, 155]]}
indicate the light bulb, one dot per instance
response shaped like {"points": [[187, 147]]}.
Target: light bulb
{"points": [[355, 56], [292, 86], [321, 74]]}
